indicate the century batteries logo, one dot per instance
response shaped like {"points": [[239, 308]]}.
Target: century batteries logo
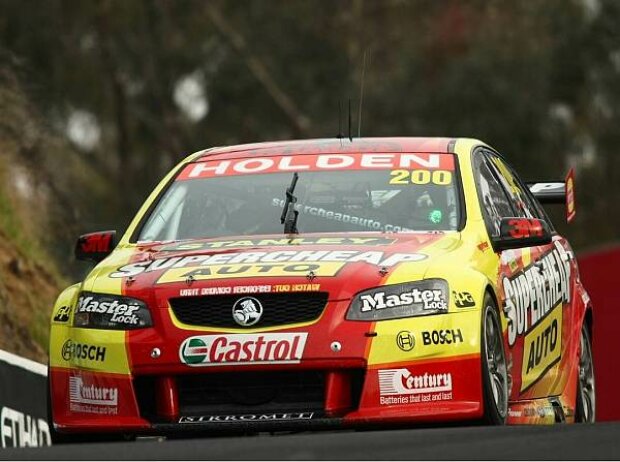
{"points": [[532, 293], [244, 264], [396, 386], [79, 351], [243, 349], [81, 393]]}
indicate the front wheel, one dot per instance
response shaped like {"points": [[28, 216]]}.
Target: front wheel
{"points": [[494, 370], [585, 408]]}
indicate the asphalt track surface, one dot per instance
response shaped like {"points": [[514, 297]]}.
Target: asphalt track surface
{"points": [[559, 442]]}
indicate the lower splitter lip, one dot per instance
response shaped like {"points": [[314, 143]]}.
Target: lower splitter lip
{"points": [[253, 426]]}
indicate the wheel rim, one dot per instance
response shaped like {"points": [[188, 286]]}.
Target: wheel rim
{"points": [[586, 379], [496, 362]]}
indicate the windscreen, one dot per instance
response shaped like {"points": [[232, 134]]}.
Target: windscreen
{"points": [[392, 192]]}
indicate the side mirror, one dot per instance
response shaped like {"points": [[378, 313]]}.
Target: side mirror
{"points": [[95, 246], [516, 232]]}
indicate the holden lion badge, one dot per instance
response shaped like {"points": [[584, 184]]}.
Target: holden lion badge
{"points": [[247, 311]]}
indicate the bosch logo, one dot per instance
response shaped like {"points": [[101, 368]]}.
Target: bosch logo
{"points": [[247, 311], [442, 337], [72, 350], [67, 350], [405, 340]]}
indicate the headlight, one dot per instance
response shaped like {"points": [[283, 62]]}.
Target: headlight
{"points": [[429, 296], [101, 311]]}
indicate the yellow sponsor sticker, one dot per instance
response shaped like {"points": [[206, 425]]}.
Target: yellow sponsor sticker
{"points": [[278, 242], [92, 349], [542, 348], [243, 270], [426, 337], [421, 177]]}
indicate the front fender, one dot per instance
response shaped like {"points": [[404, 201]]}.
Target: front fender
{"points": [[62, 313]]}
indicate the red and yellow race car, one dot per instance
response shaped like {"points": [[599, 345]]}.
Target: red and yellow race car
{"points": [[318, 283]]}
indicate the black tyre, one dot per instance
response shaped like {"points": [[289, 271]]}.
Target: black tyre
{"points": [[494, 369], [585, 406]]}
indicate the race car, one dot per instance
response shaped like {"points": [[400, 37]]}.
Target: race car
{"points": [[327, 284]]}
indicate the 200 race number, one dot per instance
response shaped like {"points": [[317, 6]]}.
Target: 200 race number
{"points": [[421, 177]]}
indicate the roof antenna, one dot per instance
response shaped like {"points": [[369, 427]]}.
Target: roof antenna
{"points": [[350, 135], [359, 113]]}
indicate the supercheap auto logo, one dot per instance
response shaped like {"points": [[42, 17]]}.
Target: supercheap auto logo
{"points": [[532, 293], [533, 306], [243, 349], [247, 264]]}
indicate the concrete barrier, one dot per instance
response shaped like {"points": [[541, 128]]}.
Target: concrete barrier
{"points": [[23, 402]]}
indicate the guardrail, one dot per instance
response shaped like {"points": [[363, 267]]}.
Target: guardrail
{"points": [[23, 402]]}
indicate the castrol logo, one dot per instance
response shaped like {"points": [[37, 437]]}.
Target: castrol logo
{"points": [[242, 349]]}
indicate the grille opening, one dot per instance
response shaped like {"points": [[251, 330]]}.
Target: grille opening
{"points": [[144, 387], [278, 309], [357, 384], [247, 392]]}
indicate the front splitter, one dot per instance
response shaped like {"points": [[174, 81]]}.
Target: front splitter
{"points": [[248, 426]]}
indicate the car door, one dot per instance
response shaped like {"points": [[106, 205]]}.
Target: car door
{"points": [[534, 285]]}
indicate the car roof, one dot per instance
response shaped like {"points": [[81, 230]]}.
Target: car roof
{"points": [[328, 145]]}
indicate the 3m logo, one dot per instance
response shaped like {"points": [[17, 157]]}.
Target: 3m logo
{"points": [[241, 349], [521, 228], [95, 243]]}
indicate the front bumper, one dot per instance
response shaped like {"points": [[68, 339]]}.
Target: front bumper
{"points": [[108, 381], [296, 398]]}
